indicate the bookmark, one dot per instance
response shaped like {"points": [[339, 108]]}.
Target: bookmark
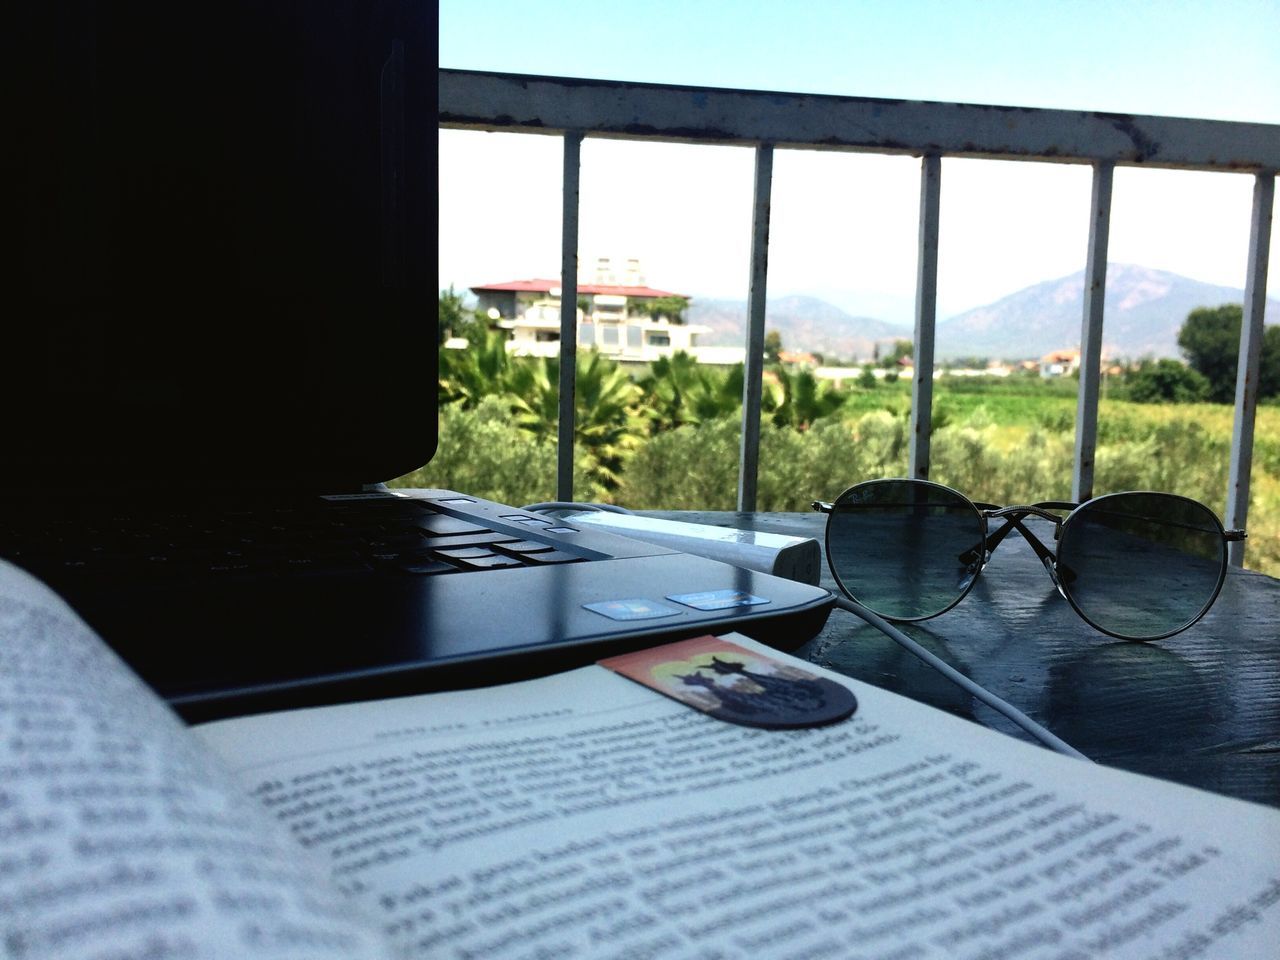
{"points": [[737, 685]]}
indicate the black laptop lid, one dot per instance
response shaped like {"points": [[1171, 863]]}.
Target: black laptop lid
{"points": [[222, 216]]}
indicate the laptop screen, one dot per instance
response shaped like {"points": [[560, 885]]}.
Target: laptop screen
{"points": [[223, 215]]}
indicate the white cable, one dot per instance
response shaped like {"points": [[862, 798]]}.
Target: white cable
{"points": [[955, 676]]}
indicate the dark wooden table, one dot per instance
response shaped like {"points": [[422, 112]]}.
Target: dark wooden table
{"points": [[1201, 708]]}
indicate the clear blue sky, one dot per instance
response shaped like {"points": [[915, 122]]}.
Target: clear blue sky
{"points": [[1213, 58], [1002, 227]]}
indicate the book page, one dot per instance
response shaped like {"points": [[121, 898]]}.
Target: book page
{"points": [[121, 837], [583, 815]]}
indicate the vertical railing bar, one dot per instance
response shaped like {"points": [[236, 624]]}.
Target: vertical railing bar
{"points": [[753, 373], [926, 317], [1250, 360], [1095, 294], [568, 316]]}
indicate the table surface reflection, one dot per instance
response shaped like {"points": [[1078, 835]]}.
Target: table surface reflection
{"points": [[1200, 708]]}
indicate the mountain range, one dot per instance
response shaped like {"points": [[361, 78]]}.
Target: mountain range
{"points": [[1144, 308]]}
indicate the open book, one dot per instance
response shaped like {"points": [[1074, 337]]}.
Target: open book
{"points": [[581, 815]]}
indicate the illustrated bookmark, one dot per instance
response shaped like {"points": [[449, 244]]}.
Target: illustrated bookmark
{"points": [[737, 685]]}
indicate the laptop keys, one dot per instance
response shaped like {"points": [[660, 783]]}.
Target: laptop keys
{"points": [[491, 562], [526, 547], [424, 567], [466, 553], [551, 556], [440, 525], [467, 540], [345, 538]]}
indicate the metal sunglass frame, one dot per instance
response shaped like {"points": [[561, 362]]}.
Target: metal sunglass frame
{"points": [[1013, 516]]}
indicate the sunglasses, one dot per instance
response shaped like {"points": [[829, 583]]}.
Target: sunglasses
{"points": [[1136, 565]]}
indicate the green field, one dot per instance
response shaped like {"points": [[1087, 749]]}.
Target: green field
{"points": [[1000, 441]]}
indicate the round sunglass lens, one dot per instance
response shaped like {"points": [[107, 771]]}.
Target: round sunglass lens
{"points": [[1142, 566], [906, 549]]}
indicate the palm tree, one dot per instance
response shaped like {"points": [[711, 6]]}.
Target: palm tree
{"points": [[468, 376], [679, 390], [804, 398], [605, 422], [532, 388], [606, 426]]}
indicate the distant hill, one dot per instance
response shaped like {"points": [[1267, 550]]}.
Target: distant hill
{"points": [[1143, 312], [1144, 309], [804, 323]]}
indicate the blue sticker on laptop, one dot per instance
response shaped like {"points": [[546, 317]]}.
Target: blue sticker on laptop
{"points": [[636, 608], [717, 599]]}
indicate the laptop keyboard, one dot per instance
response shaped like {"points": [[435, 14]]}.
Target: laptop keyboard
{"points": [[380, 536]]}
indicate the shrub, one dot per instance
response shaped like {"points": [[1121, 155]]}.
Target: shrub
{"points": [[696, 467], [1165, 381], [482, 452], [966, 458], [879, 446], [1056, 420], [1178, 456], [693, 467]]}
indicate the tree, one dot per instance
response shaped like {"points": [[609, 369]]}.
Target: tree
{"points": [[679, 390], [606, 425], [1165, 381], [670, 308], [772, 345], [468, 376], [455, 320], [804, 398], [451, 313], [901, 348], [1210, 340]]}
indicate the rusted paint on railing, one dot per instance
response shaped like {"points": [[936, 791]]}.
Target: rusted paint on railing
{"points": [[497, 101]]}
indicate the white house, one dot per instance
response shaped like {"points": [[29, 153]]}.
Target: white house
{"points": [[624, 320], [1060, 363]]}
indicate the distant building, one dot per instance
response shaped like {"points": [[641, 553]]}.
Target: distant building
{"points": [[797, 358], [1060, 363], [628, 321]]}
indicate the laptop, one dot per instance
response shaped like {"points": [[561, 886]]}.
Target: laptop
{"points": [[222, 344]]}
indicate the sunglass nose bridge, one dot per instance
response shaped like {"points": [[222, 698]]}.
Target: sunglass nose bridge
{"points": [[1051, 566], [1032, 509]]}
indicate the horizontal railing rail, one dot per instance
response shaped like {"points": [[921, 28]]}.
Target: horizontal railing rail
{"points": [[766, 120]]}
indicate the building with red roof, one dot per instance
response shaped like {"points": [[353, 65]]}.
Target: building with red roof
{"points": [[1060, 363], [620, 316]]}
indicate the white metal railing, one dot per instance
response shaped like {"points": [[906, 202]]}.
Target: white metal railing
{"points": [[767, 120]]}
